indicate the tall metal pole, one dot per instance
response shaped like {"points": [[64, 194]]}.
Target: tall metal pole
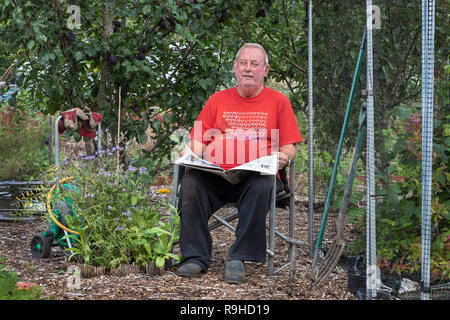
{"points": [[310, 135], [371, 267], [428, 25]]}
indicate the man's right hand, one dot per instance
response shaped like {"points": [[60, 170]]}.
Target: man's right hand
{"points": [[196, 147]]}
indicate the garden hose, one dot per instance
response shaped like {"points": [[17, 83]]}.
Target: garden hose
{"points": [[50, 213]]}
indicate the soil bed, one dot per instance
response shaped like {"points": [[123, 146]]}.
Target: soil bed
{"points": [[51, 273]]}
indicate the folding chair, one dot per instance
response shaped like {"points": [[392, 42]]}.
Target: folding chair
{"points": [[276, 196]]}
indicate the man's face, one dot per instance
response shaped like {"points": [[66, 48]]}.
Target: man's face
{"points": [[250, 71]]}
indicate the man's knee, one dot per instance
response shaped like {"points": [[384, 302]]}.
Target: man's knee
{"points": [[192, 184], [261, 184]]}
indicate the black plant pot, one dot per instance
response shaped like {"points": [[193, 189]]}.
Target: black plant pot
{"points": [[356, 281]]}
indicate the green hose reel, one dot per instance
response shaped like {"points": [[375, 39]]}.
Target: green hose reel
{"points": [[56, 217]]}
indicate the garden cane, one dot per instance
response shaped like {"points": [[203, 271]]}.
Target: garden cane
{"points": [[8, 71], [338, 155], [338, 245]]}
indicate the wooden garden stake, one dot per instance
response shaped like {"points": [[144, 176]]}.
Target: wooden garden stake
{"points": [[118, 134], [8, 71]]}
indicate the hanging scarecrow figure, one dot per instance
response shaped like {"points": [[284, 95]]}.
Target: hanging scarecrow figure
{"points": [[89, 123]]}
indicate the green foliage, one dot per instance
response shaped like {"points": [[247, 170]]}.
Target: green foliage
{"points": [[170, 54], [337, 31], [323, 169], [9, 289], [22, 135], [117, 221], [174, 54], [400, 217]]}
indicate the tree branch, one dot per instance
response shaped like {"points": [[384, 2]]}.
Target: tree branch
{"points": [[106, 72], [295, 66]]}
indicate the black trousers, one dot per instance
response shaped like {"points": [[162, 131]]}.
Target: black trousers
{"points": [[204, 193]]}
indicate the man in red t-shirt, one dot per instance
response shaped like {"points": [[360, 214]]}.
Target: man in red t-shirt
{"points": [[237, 130], [235, 126]]}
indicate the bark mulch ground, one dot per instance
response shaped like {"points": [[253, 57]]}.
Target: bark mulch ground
{"points": [[51, 273]]}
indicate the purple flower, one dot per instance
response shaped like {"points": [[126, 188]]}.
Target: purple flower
{"points": [[142, 169], [131, 169], [126, 213], [88, 157], [120, 228]]}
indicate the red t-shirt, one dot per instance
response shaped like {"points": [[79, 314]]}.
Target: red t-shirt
{"points": [[238, 130]]}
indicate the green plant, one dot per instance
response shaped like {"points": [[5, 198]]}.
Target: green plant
{"points": [[9, 289], [22, 135], [399, 215], [117, 221], [323, 169]]}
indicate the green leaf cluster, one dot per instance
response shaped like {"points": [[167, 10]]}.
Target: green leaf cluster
{"points": [[9, 289], [399, 215], [118, 221], [23, 132]]}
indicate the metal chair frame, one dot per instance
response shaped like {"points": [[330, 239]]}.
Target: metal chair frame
{"points": [[225, 221]]}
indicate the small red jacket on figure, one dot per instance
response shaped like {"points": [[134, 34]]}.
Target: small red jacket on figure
{"points": [[90, 121]]}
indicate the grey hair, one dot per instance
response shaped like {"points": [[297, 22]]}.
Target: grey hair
{"points": [[253, 45]]}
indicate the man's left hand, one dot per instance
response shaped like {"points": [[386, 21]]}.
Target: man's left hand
{"points": [[286, 153], [283, 160]]}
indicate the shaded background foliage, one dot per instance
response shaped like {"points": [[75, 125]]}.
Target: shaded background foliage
{"points": [[338, 29], [170, 54], [174, 54]]}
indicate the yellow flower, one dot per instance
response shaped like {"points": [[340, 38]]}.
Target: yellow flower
{"points": [[163, 191]]}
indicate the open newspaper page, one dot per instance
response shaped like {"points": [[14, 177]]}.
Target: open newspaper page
{"points": [[264, 165]]}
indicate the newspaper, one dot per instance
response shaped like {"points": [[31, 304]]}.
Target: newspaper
{"points": [[264, 165]]}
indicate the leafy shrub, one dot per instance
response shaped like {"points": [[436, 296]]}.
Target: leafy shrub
{"points": [[117, 221], [9, 289], [21, 145], [400, 217]]}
